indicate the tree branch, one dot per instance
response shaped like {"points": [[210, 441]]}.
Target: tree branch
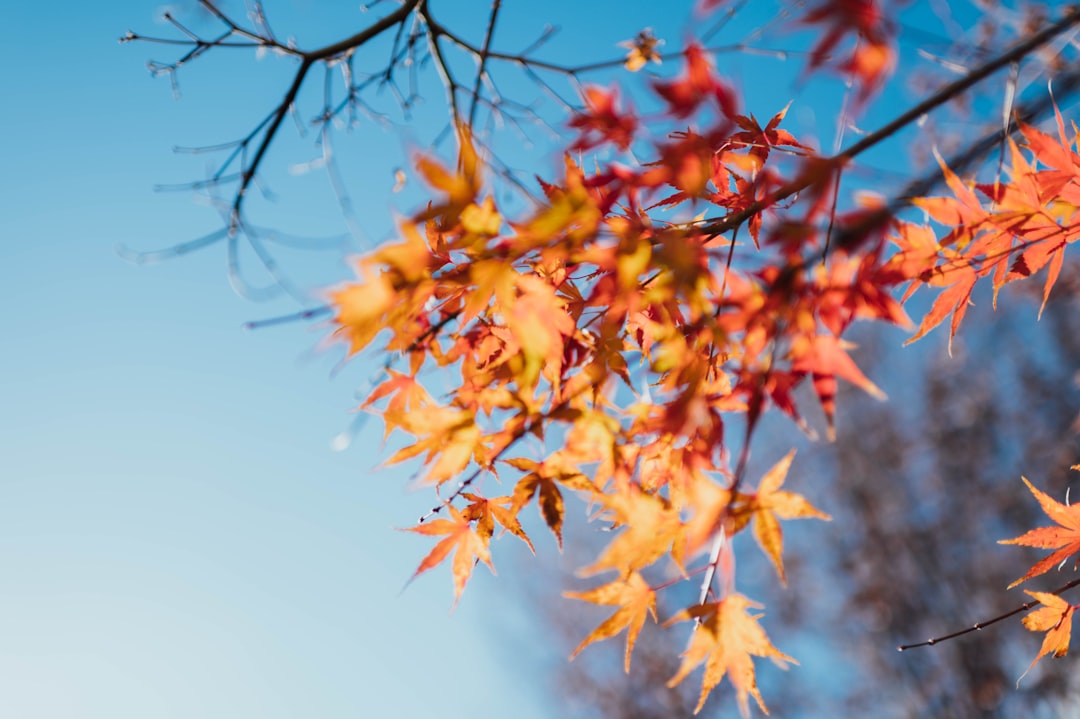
{"points": [[980, 625], [942, 96]]}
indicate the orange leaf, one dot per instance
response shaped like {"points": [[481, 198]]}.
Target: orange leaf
{"points": [[725, 638], [650, 528], [485, 512], [449, 436], [1065, 538], [824, 359], [468, 545], [642, 50], [361, 308], [634, 597], [406, 396], [551, 501], [771, 504], [1054, 618], [955, 299]]}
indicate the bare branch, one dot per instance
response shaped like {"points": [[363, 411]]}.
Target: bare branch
{"points": [[982, 625]]}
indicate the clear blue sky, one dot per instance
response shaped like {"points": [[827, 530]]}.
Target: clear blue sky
{"points": [[177, 538]]}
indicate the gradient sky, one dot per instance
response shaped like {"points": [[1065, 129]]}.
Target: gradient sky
{"points": [[177, 538]]}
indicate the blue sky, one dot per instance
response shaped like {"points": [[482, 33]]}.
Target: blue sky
{"points": [[177, 538]]}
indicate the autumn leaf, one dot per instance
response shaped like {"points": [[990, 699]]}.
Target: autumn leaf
{"points": [[406, 394], [1055, 618], [361, 307], [961, 280], [635, 599], [486, 512], [468, 545], [769, 505], [824, 359], [450, 437], [603, 120], [459, 186], [482, 219], [539, 322], [649, 528], [760, 140], [725, 638], [642, 50], [872, 55], [551, 500], [1065, 538], [697, 85]]}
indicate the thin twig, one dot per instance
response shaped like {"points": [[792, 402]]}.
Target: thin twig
{"points": [[981, 625]]}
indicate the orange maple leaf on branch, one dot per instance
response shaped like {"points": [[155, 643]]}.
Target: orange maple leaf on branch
{"points": [[1063, 538], [468, 545], [1055, 618], [768, 505], [726, 638]]}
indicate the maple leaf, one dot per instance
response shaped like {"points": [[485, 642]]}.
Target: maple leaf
{"points": [[459, 187], [1055, 618], [603, 121], [483, 220], [538, 319], [635, 599], [449, 436], [642, 50], [760, 140], [824, 359], [485, 512], [1065, 538], [725, 638], [697, 85], [361, 307], [770, 504], [406, 396], [871, 57], [468, 545], [539, 482], [650, 528]]}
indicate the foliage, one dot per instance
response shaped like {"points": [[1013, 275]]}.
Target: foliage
{"points": [[619, 342]]}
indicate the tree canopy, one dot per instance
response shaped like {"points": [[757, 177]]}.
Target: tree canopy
{"points": [[613, 335]]}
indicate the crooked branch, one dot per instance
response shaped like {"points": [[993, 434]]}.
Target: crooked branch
{"points": [[942, 96]]}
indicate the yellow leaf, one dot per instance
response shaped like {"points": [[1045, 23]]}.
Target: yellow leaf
{"points": [[1054, 618], [482, 219], [771, 503], [361, 308], [642, 50], [634, 597], [650, 528], [724, 639]]}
